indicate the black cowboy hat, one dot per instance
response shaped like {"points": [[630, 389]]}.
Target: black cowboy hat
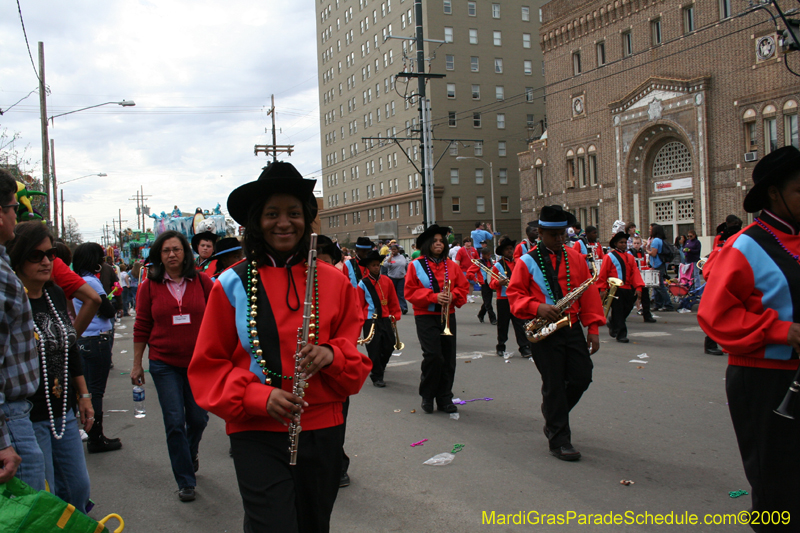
{"points": [[205, 236], [325, 245], [370, 257], [225, 246], [433, 229], [364, 243], [771, 170], [502, 244], [277, 177], [615, 238], [554, 217]]}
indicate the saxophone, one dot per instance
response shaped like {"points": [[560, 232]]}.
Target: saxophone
{"points": [[613, 285], [539, 328], [303, 336]]}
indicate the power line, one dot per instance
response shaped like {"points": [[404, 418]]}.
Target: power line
{"points": [[25, 33]]}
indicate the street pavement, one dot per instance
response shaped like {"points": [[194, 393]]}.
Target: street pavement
{"points": [[661, 422]]}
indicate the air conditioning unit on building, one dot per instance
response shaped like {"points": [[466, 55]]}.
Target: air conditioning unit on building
{"points": [[750, 156], [570, 184]]}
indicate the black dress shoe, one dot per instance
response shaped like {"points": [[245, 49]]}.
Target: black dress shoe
{"points": [[525, 353], [405, 311], [613, 334], [566, 453], [345, 480], [449, 408], [650, 320], [480, 319], [427, 405], [501, 353], [186, 494], [714, 351], [379, 383], [623, 339]]}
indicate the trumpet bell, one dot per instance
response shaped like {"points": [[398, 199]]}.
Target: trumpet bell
{"points": [[399, 346], [447, 331]]}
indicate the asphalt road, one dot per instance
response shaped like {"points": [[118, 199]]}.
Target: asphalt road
{"points": [[661, 422]]}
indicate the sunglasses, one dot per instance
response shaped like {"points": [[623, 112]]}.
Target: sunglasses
{"points": [[37, 256], [15, 206]]}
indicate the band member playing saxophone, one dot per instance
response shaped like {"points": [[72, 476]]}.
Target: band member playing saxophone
{"points": [[621, 265], [751, 307], [548, 273], [503, 268], [244, 366], [426, 282]]}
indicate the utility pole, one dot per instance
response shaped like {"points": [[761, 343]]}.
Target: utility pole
{"points": [[273, 148], [45, 135], [63, 227], [114, 230], [55, 186], [140, 208], [120, 227]]}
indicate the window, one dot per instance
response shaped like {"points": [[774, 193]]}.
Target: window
{"points": [[451, 119], [476, 120], [472, 9], [478, 176], [453, 149], [530, 121], [770, 134], [473, 63], [790, 134], [592, 164], [451, 90], [448, 7], [529, 94], [476, 92], [526, 13], [526, 40], [751, 141], [501, 121], [724, 9], [498, 66], [504, 204], [453, 176], [480, 204], [450, 62], [495, 11], [581, 171], [456, 204], [655, 32], [499, 93], [688, 19], [576, 63], [527, 67], [448, 35], [473, 36], [539, 177], [601, 53], [627, 43], [502, 176], [501, 148], [594, 216], [497, 38]]}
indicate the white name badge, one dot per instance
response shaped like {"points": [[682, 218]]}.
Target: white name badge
{"points": [[180, 320]]}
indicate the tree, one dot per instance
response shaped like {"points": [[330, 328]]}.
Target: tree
{"points": [[72, 235], [20, 165]]}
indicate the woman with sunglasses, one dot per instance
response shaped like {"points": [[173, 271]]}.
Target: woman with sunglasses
{"points": [[53, 412], [95, 343]]}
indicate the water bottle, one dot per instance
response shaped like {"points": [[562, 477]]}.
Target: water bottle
{"points": [[138, 402]]}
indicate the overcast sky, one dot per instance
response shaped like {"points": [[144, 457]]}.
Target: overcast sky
{"points": [[201, 74]]}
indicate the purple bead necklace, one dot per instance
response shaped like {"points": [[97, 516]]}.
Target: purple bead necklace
{"points": [[430, 274], [766, 228]]}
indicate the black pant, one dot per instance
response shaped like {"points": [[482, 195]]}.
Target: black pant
{"points": [[646, 314], [438, 358], [504, 317], [566, 368], [281, 498], [768, 443], [486, 295], [620, 309], [380, 347], [345, 457]]}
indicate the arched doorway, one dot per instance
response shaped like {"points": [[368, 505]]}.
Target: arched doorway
{"points": [[672, 199]]}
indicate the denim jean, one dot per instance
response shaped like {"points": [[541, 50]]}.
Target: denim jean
{"points": [[126, 299], [184, 420], [96, 352], [400, 289], [132, 297], [661, 294], [64, 462], [23, 440]]}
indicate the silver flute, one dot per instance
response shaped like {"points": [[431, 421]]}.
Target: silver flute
{"points": [[303, 336]]}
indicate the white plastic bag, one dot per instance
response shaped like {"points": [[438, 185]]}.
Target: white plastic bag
{"points": [[440, 459]]}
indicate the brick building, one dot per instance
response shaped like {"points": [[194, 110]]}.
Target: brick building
{"points": [[657, 111]]}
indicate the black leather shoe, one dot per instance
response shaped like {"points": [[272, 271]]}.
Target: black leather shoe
{"points": [[493, 322], [623, 339], [449, 408], [427, 405], [480, 319], [405, 311], [186, 494], [613, 334], [501, 353], [345, 480], [714, 351], [650, 320], [379, 383], [525, 353], [566, 453]]}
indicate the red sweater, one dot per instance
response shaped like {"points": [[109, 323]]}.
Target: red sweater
{"points": [[632, 280], [747, 305], [370, 290], [155, 307], [418, 290], [65, 278], [526, 291], [227, 381]]}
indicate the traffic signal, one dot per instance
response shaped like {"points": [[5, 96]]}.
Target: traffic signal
{"points": [[791, 35]]}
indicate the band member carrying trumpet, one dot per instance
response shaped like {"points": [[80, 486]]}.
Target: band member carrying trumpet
{"points": [[427, 281], [501, 276], [621, 265], [378, 298], [545, 276], [751, 307]]}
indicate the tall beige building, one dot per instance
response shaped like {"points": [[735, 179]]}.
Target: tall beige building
{"points": [[490, 99]]}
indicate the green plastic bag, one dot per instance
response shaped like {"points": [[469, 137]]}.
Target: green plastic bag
{"points": [[25, 510]]}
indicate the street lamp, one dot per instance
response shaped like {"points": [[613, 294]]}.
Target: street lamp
{"points": [[63, 226], [124, 103], [101, 174], [491, 189]]}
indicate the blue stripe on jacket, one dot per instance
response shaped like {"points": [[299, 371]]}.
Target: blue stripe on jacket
{"points": [[538, 276], [422, 276], [237, 297]]}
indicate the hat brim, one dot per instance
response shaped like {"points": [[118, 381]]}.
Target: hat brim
{"points": [[205, 236], [246, 196], [756, 198], [432, 230], [369, 259], [505, 243]]}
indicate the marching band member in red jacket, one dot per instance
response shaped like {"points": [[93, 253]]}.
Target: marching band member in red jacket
{"points": [[503, 268], [244, 362], [426, 282], [619, 264], [546, 275], [527, 244]]}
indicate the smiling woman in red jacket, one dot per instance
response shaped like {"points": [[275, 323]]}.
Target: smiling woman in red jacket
{"points": [[244, 364]]}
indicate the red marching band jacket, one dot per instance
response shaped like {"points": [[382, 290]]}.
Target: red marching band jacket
{"points": [[527, 291], [522, 248], [505, 268], [418, 289], [622, 266], [373, 293]]}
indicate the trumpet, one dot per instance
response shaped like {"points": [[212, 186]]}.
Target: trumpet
{"points": [[788, 405], [613, 285], [446, 310], [497, 277], [371, 333], [702, 262], [397, 344]]}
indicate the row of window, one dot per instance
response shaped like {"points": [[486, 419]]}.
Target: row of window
{"points": [[373, 215], [480, 204], [771, 123], [475, 90], [502, 176], [497, 37], [472, 10], [474, 64]]}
